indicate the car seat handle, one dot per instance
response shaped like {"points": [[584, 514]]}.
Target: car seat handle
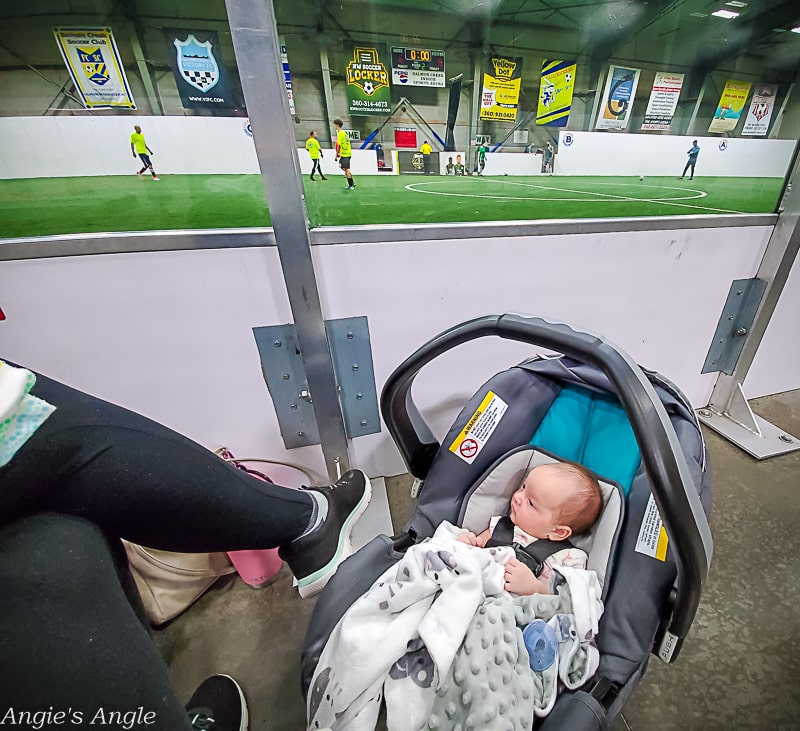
{"points": [[672, 485]]}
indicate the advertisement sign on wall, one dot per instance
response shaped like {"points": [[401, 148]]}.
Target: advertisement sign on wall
{"points": [[368, 80], [287, 78], [555, 93], [197, 65], [730, 107], [663, 101], [756, 122], [413, 163], [618, 96], [501, 84], [417, 67], [94, 64]]}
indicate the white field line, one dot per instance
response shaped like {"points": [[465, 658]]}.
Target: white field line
{"points": [[604, 196]]}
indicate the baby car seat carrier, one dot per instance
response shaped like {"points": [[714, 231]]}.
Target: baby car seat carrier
{"points": [[594, 405]]}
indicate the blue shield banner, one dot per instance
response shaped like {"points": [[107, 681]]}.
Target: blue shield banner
{"points": [[199, 72]]}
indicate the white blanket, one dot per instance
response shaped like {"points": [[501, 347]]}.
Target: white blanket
{"points": [[407, 627], [400, 640]]}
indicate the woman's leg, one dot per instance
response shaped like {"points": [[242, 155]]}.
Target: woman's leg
{"points": [[140, 481], [71, 643]]}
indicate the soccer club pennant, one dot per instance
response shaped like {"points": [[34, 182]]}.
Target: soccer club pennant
{"points": [[93, 62], [197, 66], [555, 93], [757, 121]]}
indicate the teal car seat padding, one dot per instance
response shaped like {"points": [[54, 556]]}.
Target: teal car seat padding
{"points": [[591, 428]]}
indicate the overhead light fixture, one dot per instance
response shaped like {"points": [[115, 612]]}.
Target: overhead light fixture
{"points": [[727, 14], [796, 30], [736, 4], [698, 15]]}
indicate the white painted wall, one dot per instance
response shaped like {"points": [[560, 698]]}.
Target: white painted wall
{"points": [[54, 147], [610, 153], [362, 162], [33, 147], [169, 334], [512, 163], [776, 367]]}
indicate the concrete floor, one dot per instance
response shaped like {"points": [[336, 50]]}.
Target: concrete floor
{"points": [[739, 668]]}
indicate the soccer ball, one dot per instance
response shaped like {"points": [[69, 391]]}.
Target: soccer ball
{"points": [[369, 89], [641, 177], [568, 77]]}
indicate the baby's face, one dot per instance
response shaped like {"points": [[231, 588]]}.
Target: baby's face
{"points": [[536, 506]]}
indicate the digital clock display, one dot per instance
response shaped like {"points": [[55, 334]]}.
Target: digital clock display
{"points": [[417, 59]]}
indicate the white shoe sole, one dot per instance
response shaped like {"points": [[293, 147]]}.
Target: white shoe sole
{"points": [[245, 716], [345, 548]]}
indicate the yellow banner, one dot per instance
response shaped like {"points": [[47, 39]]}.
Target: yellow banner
{"points": [[555, 93], [501, 84], [93, 61], [730, 107]]}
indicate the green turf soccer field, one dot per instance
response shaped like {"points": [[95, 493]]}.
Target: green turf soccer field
{"points": [[41, 206]]}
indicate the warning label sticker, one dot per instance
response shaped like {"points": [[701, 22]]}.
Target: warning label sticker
{"points": [[479, 428], [653, 539]]}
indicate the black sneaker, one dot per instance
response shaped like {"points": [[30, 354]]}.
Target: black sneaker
{"points": [[218, 705], [315, 557]]}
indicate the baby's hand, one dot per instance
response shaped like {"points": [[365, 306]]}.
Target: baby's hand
{"points": [[469, 538], [521, 580]]}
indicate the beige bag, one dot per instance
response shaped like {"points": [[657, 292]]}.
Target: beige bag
{"points": [[169, 583]]}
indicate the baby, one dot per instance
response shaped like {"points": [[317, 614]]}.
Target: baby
{"points": [[555, 501]]}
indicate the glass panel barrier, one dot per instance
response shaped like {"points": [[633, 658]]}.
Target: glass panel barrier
{"points": [[454, 111], [79, 79], [529, 109]]}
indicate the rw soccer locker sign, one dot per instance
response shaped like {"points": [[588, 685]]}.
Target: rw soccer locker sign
{"points": [[367, 79]]}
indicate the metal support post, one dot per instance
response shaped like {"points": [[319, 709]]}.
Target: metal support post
{"points": [[728, 411], [776, 125], [144, 69], [696, 110], [328, 90], [598, 96], [255, 42], [477, 90]]}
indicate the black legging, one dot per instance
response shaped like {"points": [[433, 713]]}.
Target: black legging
{"points": [[91, 474], [316, 167]]}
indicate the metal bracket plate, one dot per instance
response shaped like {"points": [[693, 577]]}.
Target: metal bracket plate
{"points": [[285, 374], [756, 436], [734, 323]]}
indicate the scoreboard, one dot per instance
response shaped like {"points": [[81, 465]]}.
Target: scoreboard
{"points": [[417, 67]]}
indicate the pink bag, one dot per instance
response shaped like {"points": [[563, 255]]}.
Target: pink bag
{"points": [[257, 568]]}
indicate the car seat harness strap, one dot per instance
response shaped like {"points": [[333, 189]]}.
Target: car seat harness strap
{"points": [[534, 554]]}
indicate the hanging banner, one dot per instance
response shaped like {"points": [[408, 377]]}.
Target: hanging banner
{"points": [[618, 96], [417, 67], [756, 122], [287, 79], [663, 101], [730, 107], [501, 84], [197, 64], [94, 64], [368, 80], [555, 93]]}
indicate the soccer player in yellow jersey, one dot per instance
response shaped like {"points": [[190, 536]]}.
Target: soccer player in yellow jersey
{"points": [[344, 152], [139, 147], [426, 150], [315, 152]]}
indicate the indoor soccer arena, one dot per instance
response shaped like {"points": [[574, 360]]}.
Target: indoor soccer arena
{"points": [[407, 365]]}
